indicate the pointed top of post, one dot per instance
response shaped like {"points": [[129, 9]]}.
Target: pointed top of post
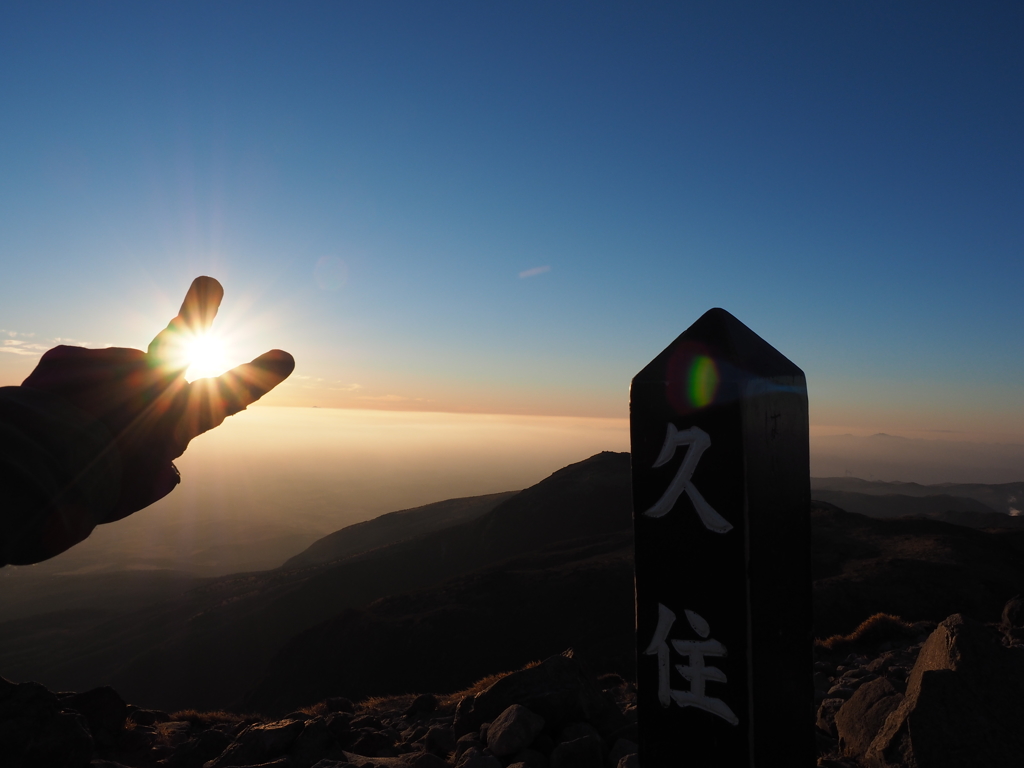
{"points": [[727, 341], [712, 360]]}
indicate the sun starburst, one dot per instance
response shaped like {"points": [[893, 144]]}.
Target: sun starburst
{"points": [[206, 356]]}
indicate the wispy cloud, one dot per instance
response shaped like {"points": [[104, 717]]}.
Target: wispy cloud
{"points": [[22, 347], [533, 272], [17, 343], [349, 388]]}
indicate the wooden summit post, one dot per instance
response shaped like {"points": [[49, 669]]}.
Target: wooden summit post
{"points": [[721, 512]]}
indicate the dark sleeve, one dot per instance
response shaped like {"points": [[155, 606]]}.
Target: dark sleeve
{"points": [[60, 475]]}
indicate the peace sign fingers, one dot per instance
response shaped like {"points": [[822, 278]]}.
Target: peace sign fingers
{"points": [[195, 317], [209, 401]]}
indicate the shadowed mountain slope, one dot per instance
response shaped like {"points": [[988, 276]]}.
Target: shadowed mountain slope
{"points": [[577, 595], [1003, 497], [893, 505], [581, 595], [394, 527], [207, 648], [545, 568], [917, 569], [23, 593]]}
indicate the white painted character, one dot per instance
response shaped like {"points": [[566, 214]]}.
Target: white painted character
{"points": [[698, 441], [696, 672]]}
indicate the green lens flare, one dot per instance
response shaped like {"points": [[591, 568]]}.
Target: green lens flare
{"points": [[703, 381]]}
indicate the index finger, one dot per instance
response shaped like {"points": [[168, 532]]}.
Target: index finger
{"points": [[210, 401], [201, 304], [196, 315]]}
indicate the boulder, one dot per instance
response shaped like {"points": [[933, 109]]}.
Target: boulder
{"points": [[543, 743], [361, 761], [1013, 614], [199, 749], [259, 744], [474, 758], [339, 724], [1012, 622], [826, 721], [560, 689], [339, 704], [628, 731], [466, 742], [424, 760], [141, 738], [513, 730], [423, 704], [35, 732], [962, 705], [439, 741], [465, 720], [531, 758], [370, 743], [104, 710], [584, 752], [619, 750], [840, 691], [148, 716], [577, 731], [312, 744], [859, 719]]}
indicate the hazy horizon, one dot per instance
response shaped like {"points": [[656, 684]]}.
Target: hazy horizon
{"points": [[274, 479]]}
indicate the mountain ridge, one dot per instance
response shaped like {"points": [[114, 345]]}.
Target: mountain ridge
{"points": [[205, 648], [228, 638]]}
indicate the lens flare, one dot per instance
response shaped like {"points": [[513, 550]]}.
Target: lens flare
{"points": [[205, 355], [702, 381]]}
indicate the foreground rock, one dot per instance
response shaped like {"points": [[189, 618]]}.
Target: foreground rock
{"points": [[560, 690], [947, 699], [586, 723], [941, 699], [963, 705], [37, 732]]}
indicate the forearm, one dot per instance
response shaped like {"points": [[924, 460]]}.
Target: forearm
{"points": [[60, 475]]}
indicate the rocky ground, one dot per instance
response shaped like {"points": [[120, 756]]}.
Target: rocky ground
{"points": [[555, 714], [957, 683]]}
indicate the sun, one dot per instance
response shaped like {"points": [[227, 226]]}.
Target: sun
{"points": [[206, 355]]}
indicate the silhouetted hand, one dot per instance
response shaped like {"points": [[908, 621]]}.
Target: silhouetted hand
{"points": [[145, 402]]}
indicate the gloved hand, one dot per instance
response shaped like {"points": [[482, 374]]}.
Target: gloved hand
{"points": [[144, 401]]}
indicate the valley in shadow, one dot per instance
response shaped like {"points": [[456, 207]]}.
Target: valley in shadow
{"points": [[436, 597]]}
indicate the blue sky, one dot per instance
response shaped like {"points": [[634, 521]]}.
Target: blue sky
{"points": [[846, 179]]}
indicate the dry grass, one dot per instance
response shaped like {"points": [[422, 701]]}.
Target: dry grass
{"points": [[206, 719], [875, 630], [390, 706], [386, 706], [315, 710], [452, 699]]}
